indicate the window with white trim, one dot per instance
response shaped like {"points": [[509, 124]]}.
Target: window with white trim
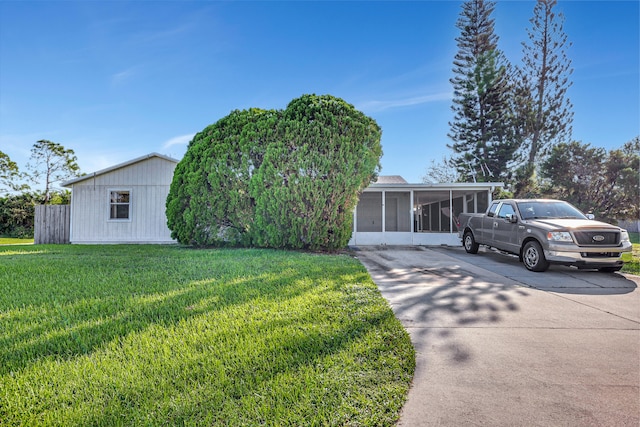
{"points": [[119, 205]]}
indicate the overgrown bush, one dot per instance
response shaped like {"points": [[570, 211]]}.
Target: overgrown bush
{"points": [[269, 178]]}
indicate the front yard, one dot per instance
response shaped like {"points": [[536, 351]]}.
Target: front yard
{"points": [[164, 335]]}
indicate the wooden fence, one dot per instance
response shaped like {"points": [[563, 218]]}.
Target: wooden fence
{"points": [[52, 224]]}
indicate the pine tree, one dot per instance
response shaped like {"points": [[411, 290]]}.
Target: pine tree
{"points": [[546, 111], [482, 128], [54, 163], [9, 174]]}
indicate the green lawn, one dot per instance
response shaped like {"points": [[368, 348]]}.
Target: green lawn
{"points": [[15, 241], [632, 260], [164, 335]]}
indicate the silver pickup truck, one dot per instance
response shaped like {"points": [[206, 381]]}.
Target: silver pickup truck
{"points": [[545, 231]]}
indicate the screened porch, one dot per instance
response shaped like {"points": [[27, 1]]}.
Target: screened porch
{"points": [[416, 214]]}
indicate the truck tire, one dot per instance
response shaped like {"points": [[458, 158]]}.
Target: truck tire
{"points": [[470, 244], [533, 256]]}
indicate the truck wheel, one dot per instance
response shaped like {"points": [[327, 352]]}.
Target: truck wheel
{"points": [[470, 244], [533, 257]]}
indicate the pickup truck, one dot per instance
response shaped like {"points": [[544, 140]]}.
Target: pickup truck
{"points": [[545, 231]]}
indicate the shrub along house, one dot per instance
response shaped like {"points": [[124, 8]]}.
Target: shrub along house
{"points": [[124, 203], [394, 212]]}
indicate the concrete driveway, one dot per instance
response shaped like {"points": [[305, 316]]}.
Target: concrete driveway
{"points": [[499, 345]]}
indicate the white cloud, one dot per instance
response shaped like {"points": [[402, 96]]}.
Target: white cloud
{"points": [[371, 106], [124, 76], [178, 140], [162, 35]]}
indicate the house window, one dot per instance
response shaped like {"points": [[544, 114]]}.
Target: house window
{"points": [[119, 205]]}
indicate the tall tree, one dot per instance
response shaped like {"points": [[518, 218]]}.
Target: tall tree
{"points": [[623, 174], [9, 174], [54, 163], [441, 172], [604, 183], [545, 110], [481, 128]]}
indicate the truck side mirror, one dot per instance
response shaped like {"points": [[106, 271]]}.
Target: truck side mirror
{"points": [[591, 216], [512, 218]]}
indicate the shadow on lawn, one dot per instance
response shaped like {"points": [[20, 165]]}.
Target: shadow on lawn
{"points": [[69, 329], [332, 316], [79, 327]]}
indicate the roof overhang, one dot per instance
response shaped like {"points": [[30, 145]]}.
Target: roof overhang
{"points": [[118, 166], [460, 186]]}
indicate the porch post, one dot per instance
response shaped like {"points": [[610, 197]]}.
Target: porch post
{"points": [[450, 211], [413, 213], [355, 223], [384, 216], [412, 216]]}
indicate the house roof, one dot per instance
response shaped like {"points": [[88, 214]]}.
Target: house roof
{"points": [[396, 182], [390, 179], [118, 166], [456, 186]]}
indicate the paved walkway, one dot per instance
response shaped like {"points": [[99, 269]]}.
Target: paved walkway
{"points": [[498, 345]]}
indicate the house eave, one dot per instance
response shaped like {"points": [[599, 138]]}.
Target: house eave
{"points": [[439, 186], [115, 167]]}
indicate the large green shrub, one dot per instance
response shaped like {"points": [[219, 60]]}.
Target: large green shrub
{"points": [[286, 178], [209, 203]]}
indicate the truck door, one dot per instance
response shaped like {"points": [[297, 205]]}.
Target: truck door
{"points": [[505, 232], [486, 228]]}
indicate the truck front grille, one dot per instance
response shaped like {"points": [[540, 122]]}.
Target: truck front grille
{"points": [[600, 254], [597, 238]]}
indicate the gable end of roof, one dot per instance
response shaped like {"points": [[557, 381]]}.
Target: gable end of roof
{"points": [[118, 166]]}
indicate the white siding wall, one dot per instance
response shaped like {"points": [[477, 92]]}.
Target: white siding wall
{"points": [[147, 181]]}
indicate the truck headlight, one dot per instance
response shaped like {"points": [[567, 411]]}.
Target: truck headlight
{"points": [[559, 236], [624, 236]]}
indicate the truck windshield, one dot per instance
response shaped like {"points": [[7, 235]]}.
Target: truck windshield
{"points": [[548, 209]]}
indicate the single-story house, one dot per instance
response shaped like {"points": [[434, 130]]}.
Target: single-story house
{"points": [[393, 212], [124, 203]]}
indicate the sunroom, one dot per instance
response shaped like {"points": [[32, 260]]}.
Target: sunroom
{"points": [[394, 212]]}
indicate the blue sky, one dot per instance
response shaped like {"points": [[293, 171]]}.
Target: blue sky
{"points": [[114, 80]]}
